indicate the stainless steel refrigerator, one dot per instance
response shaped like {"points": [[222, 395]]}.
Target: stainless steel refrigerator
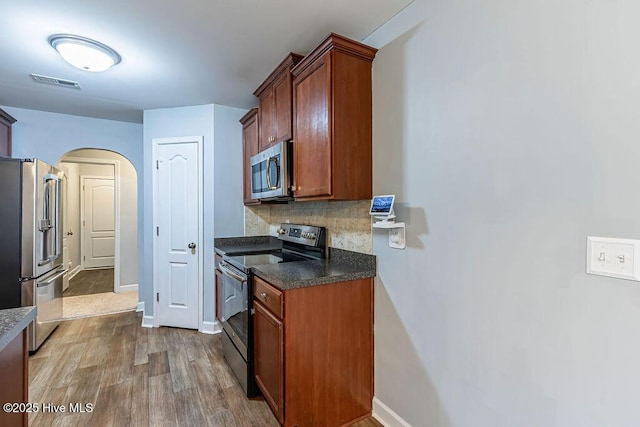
{"points": [[31, 267]]}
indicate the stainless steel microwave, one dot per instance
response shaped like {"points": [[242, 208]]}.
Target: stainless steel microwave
{"points": [[271, 172]]}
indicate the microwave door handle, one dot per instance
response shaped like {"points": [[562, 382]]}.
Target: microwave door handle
{"points": [[266, 171], [269, 184]]}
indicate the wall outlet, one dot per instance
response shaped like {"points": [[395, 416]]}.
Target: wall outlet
{"points": [[397, 238], [619, 258]]}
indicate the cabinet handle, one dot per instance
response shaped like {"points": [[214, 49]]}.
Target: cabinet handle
{"points": [[264, 295]]}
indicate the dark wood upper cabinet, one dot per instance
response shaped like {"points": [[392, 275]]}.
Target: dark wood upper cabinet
{"points": [[6, 121], [250, 147], [332, 108], [274, 101]]}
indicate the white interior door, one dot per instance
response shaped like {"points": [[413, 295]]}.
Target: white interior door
{"points": [[98, 222], [177, 214]]}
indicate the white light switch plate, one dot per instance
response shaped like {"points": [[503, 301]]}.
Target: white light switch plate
{"points": [[619, 258]]}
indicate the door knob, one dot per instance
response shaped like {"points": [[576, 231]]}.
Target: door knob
{"points": [[192, 245]]}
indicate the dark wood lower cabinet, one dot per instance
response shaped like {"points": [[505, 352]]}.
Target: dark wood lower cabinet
{"points": [[314, 365], [15, 380], [269, 362]]}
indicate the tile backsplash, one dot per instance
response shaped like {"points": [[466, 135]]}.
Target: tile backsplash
{"points": [[348, 223]]}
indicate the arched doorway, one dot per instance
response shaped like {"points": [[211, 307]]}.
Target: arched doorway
{"points": [[100, 233]]}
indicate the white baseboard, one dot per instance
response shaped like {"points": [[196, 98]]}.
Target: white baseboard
{"points": [[140, 306], [147, 321], [128, 288], [75, 270], [210, 328], [386, 415]]}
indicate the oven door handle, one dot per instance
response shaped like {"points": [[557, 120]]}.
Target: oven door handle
{"points": [[225, 270]]}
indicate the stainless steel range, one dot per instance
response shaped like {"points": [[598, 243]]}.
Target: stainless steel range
{"points": [[299, 243]]}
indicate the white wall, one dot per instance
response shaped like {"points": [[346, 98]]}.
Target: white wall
{"points": [[49, 136], [194, 121], [228, 161], [508, 131]]}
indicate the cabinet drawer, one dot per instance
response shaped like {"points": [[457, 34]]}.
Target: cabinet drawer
{"points": [[269, 296]]}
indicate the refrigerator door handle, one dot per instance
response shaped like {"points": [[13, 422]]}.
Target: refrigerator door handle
{"points": [[50, 281]]}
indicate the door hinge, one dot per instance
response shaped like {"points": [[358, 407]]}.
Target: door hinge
{"points": [[157, 231], [157, 164], [83, 223], [158, 297], [84, 258]]}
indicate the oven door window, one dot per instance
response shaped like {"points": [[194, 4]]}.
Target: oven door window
{"points": [[235, 304]]}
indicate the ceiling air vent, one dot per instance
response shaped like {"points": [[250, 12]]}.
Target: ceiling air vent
{"points": [[55, 81]]}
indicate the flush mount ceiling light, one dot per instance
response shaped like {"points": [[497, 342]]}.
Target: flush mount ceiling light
{"points": [[84, 53]]}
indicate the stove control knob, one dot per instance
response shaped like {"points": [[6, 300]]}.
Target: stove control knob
{"points": [[282, 231], [311, 236], [304, 234]]}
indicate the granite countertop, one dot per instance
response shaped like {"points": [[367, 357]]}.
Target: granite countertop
{"points": [[13, 321], [246, 245], [341, 266]]}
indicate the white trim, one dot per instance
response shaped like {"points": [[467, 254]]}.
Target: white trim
{"points": [[128, 288], [154, 157], [140, 306], [77, 269], [147, 321], [386, 415], [116, 185], [210, 328]]}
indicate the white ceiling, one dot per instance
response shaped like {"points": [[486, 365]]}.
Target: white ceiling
{"points": [[174, 53]]}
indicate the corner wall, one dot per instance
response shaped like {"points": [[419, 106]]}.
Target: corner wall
{"points": [[508, 132], [201, 120]]}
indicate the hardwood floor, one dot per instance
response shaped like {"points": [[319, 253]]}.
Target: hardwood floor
{"points": [[89, 282], [140, 376]]}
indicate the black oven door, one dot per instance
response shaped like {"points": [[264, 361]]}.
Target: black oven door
{"points": [[234, 307]]}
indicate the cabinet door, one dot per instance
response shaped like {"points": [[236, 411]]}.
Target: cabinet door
{"points": [[268, 335], [249, 148], [312, 136], [14, 371], [282, 103], [266, 107]]}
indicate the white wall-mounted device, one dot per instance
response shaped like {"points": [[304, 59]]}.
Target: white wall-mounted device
{"points": [[382, 210]]}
